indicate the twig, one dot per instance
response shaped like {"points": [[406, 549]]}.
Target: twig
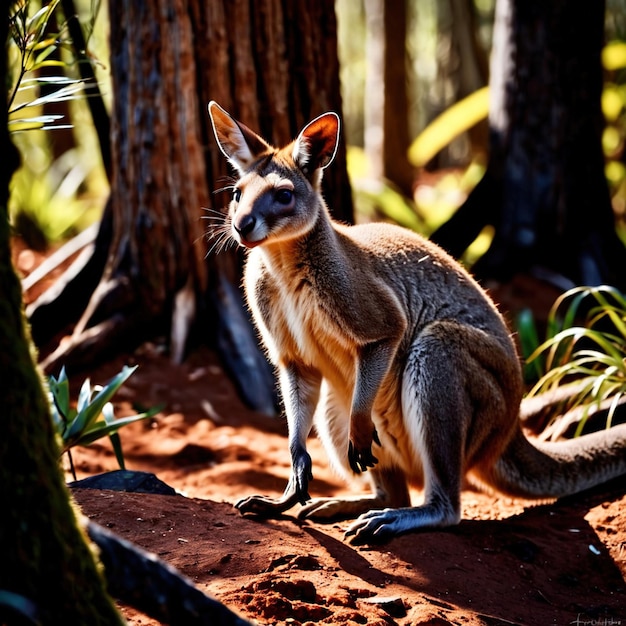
{"points": [[74, 245]]}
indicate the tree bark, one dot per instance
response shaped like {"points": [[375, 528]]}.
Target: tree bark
{"points": [[157, 190], [272, 64], [46, 560], [544, 192]]}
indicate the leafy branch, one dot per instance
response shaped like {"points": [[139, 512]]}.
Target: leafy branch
{"points": [[35, 47]]}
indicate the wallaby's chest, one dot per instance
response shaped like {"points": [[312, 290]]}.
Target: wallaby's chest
{"points": [[298, 322]]}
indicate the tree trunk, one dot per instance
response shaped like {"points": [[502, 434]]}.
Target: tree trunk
{"points": [[471, 67], [169, 59], [282, 70], [387, 136], [95, 102], [45, 556], [157, 190], [544, 191]]}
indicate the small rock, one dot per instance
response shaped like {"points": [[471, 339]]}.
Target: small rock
{"points": [[126, 480], [392, 605]]}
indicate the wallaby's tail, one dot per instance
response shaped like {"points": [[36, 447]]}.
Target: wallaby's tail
{"points": [[553, 470]]}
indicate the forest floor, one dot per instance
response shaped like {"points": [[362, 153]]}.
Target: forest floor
{"points": [[508, 562]]}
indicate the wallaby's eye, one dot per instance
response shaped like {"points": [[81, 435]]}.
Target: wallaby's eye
{"points": [[283, 196], [236, 194]]}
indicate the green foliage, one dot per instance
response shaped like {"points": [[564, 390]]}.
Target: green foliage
{"points": [[47, 204], [438, 196], [590, 358], [431, 206], [454, 121], [374, 199], [50, 199], [614, 134], [529, 342], [33, 47], [93, 417]]}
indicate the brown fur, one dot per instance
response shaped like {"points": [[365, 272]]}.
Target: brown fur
{"points": [[389, 347]]}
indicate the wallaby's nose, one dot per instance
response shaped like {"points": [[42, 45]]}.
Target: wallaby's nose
{"points": [[245, 225]]}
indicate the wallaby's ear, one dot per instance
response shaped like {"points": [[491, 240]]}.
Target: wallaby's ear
{"points": [[237, 142], [316, 144]]}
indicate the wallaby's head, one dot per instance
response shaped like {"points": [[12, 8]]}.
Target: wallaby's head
{"points": [[277, 196]]}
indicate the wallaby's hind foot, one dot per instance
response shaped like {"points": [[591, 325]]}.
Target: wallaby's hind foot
{"points": [[262, 506], [389, 489], [327, 510], [378, 526]]}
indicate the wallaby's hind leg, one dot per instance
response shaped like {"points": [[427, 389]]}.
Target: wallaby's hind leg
{"points": [[434, 422], [389, 489], [389, 484]]}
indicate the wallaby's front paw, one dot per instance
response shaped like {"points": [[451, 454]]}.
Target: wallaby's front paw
{"points": [[360, 455], [302, 473]]}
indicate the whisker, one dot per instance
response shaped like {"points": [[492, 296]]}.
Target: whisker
{"points": [[223, 211], [228, 179], [197, 239], [231, 180], [227, 188], [215, 215], [222, 243], [219, 234]]}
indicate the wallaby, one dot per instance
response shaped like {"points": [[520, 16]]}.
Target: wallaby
{"points": [[389, 347]]}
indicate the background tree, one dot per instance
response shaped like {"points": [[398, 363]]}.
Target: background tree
{"points": [[544, 191], [387, 135], [148, 271], [467, 67]]}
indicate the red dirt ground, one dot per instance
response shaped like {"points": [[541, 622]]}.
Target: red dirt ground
{"points": [[508, 562]]}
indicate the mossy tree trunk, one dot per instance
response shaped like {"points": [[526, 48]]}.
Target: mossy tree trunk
{"points": [[45, 557], [272, 64], [544, 191]]}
